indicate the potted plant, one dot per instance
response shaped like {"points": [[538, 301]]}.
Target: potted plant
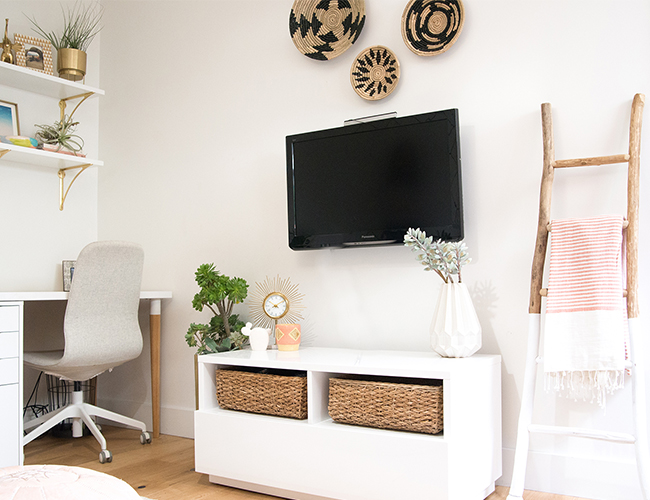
{"points": [[81, 23], [455, 329], [219, 293]]}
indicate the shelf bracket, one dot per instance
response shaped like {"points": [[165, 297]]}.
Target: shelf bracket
{"points": [[64, 194], [62, 103]]}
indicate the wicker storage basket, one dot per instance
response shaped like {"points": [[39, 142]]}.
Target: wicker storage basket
{"points": [[280, 395], [386, 405]]}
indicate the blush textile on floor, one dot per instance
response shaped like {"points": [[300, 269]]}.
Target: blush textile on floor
{"points": [[59, 482]]}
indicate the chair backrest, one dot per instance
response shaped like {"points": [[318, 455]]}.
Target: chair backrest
{"points": [[101, 321]]}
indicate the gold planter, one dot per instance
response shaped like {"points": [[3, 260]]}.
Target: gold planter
{"points": [[71, 64]]}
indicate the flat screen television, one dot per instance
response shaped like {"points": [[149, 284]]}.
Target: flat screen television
{"points": [[367, 183]]}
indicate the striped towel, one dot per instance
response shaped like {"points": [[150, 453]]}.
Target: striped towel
{"points": [[584, 332]]}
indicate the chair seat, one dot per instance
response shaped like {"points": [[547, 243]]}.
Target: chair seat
{"points": [[58, 482], [50, 363], [42, 358]]}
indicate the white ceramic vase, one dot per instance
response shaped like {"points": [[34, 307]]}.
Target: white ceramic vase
{"points": [[455, 329]]}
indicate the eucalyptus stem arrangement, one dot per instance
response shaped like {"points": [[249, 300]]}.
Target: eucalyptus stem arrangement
{"points": [[446, 258], [81, 23], [61, 134]]}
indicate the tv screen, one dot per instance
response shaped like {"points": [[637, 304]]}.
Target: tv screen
{"points": [[367, 183]]}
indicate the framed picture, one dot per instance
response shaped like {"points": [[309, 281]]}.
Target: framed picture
{"points": [[67, 266], [36, 54], [9, 118]]}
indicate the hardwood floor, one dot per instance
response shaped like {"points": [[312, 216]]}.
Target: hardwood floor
{"points": [[163, 470]]}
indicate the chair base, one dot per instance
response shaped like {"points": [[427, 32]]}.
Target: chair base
{"points": [[82, 413]]}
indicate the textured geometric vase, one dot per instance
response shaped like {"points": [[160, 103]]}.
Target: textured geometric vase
{"points": [[455, 330], [287, 336]]}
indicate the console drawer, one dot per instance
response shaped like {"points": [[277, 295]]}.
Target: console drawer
{"points": [[9, 318], [9, 371], [9, 344]]}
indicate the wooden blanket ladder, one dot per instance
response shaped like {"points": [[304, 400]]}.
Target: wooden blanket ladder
{"points": [[525, 426]]}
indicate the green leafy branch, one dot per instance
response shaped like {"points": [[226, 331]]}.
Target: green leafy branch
{"points": [[446, 258]]}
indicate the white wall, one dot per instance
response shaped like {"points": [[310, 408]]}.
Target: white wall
{"points": [[199, 98], [36, 236]]}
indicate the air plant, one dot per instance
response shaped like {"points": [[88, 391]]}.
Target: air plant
{"points": [[444, 257], [61, 134]]}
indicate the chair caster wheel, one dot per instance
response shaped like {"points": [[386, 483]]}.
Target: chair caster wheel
{"points": [[105, 456], [145, 438]]}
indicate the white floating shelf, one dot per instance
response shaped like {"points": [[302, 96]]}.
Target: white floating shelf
{"points": [[40, 83], [32, 156]]}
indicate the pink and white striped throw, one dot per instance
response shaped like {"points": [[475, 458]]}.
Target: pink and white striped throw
{"points": [[584, 332]]}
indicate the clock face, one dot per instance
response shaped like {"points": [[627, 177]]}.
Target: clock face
{"points": [[275, 305]]}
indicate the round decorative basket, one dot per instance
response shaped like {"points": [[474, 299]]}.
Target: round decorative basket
{"points": [[430, 27], [324, 29], [374, 73]]}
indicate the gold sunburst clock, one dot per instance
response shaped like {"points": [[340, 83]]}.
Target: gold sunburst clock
{"points": [[275, 301]]}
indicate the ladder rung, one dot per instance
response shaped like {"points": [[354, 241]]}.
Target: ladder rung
{"points": [[626, 223], [544, 292], [619, 437], [596, 160]]}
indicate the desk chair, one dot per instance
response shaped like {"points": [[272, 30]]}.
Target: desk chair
{"points": [[101, 331]]}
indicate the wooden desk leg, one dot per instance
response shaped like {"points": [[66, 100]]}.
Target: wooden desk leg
{"points": [[154, 334]]}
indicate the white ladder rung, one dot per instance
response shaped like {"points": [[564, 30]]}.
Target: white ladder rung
{"points": [[619, 437]]}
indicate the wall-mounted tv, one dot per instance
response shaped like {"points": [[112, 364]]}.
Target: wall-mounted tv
{"points": [[367, 183]]}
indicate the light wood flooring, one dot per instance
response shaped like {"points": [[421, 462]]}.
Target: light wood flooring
{"points": [[163, 470]]}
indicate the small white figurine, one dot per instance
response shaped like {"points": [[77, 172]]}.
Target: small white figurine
{"points": [[259, 337]]}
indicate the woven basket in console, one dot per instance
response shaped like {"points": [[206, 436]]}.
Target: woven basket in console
{"points": [[386, 405], [280, 395]]}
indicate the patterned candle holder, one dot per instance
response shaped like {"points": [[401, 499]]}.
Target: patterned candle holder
{"points": [[287, 336]]}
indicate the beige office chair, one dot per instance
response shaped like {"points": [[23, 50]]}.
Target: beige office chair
{"points": [[101, 331]]}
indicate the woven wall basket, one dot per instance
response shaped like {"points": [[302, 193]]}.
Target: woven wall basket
{"points": [[280, 395], [374, 73], [430, 27], [324, 29], [386, 405]]}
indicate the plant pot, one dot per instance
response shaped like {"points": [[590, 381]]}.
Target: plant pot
{"points": [[71, 64], [287, 336], [455, 329], [196, 381]]}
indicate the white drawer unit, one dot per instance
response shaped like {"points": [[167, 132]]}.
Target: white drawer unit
{"points": [[11, 359], [318, 459]]}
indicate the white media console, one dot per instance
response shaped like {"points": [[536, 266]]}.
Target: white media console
{"points": [[317, 458]]}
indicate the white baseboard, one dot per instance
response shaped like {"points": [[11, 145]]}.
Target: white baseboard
{"points": [[173, 421], [593, 478]]}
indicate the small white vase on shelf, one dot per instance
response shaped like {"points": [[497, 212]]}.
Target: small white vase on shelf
{"points": [[455, 329], [258, 337]]}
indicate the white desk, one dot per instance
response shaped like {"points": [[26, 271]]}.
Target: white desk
{"points": [[11, 357]]}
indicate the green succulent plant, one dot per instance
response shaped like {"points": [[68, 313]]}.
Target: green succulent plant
{"points": [[219, 293], [61, 133], [444, 257]]}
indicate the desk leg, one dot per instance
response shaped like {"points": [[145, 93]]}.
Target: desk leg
{"points": [[154, 333]]}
